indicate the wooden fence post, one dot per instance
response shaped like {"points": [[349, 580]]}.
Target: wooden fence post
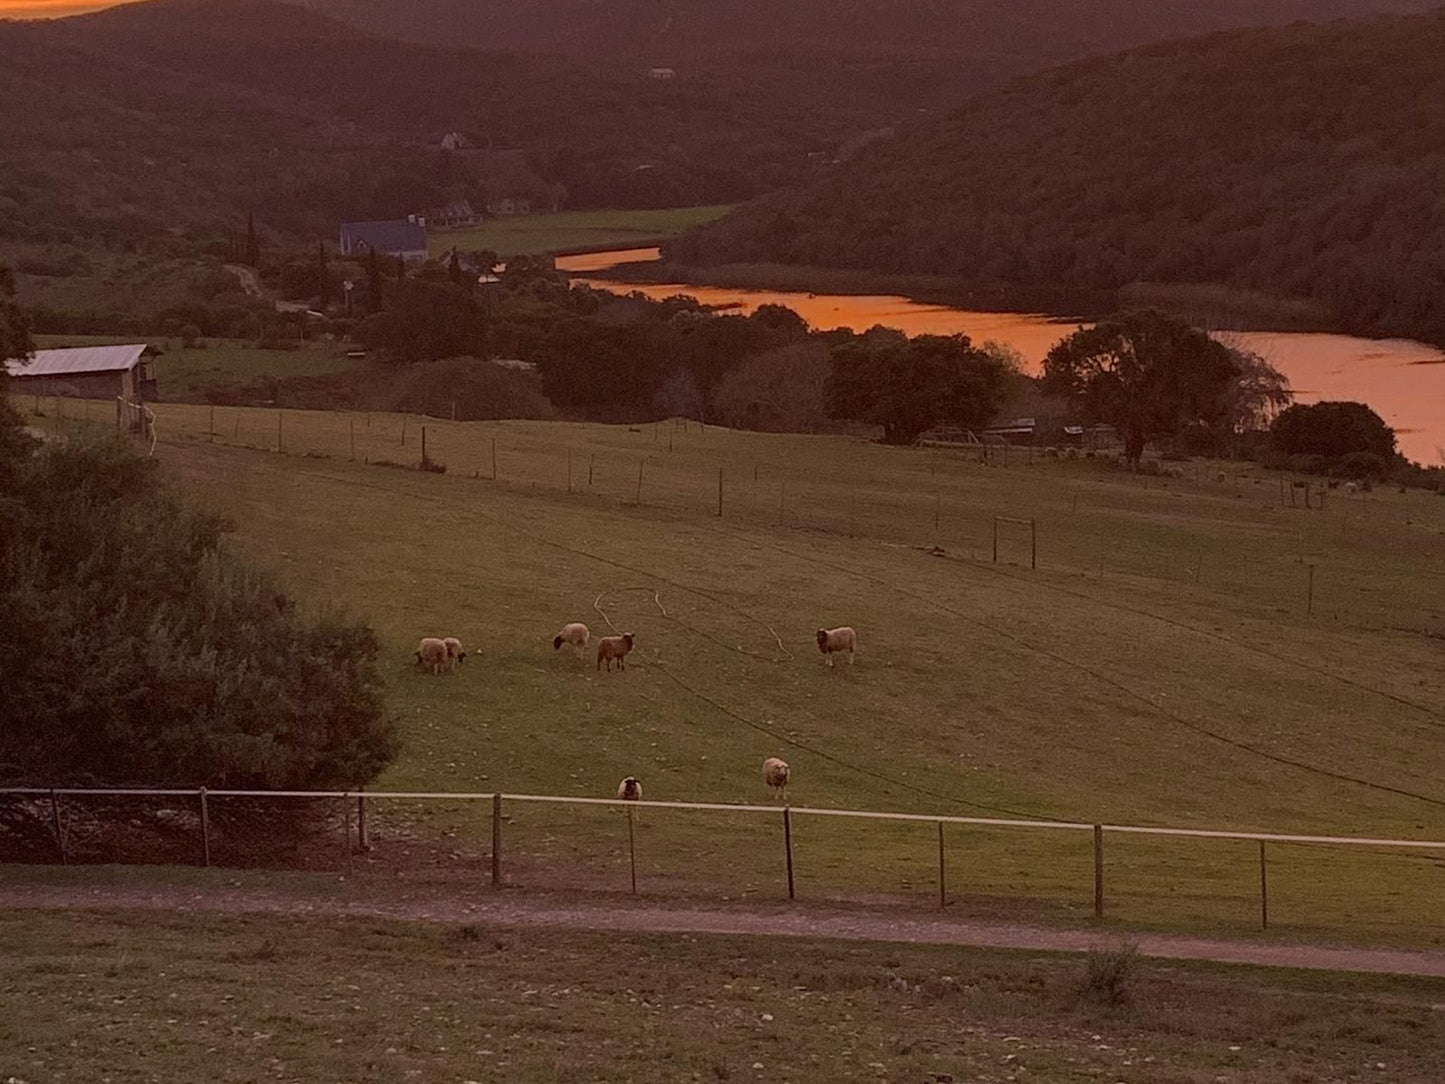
{"points": [[632, 849], [1098, 871], [591, 464], [942, 873], [1263, 890], [59, 831], [403, 430], [788, 847], [640, 462], [1034, 544], [496, 841], [363, 836], [205, 829], [1310, 592], [423, 446], [346, 828]]}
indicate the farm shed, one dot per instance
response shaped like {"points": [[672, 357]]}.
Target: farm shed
{"points": [[86, 372]]}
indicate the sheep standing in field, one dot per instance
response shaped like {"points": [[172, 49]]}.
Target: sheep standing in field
{"points": [[832, 641], [776, 774], [575, 634], [614, 647], [432, 654], [455, 654], [1351, 488], [630, 790]]}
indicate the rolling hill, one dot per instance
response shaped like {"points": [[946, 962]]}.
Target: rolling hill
{"points": [[1301, 162]]}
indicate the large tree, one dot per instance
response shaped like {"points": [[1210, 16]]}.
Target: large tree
{"points": [[910, 385], [1332, 430], [1146, 373], [15, 345]]}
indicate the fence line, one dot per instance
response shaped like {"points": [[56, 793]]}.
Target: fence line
{"points": [[728, 807]]}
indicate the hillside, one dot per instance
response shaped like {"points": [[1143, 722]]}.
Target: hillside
{"points": [[170, 117], [1304, 161]]}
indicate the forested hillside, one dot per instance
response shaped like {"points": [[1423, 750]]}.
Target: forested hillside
{"points": [[1304, 161], [171, 116]]}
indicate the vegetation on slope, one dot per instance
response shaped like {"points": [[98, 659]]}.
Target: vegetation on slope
{"points": [[1302, 161]]}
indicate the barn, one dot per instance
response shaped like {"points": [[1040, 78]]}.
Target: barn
{"points": [[86, 372]]}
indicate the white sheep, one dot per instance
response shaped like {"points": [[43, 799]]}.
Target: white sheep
{"points": [[614, 647], [455, 654], [433, 655], [1351, 488], [776, 774], [630, 790], [575, 634], [832, 641]]}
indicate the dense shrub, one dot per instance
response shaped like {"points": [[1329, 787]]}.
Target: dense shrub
{"points": [[1332, 430]]}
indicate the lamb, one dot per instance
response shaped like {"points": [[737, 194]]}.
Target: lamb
{"points": [[575, 634], [831, 641], [776, 774], [455, 654], [630, 790], [432, 653], [614, 647]]}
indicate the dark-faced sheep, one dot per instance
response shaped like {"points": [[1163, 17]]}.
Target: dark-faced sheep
{"points": [[832, 641], [630, 790], [776, 774], [614, 647], [432, 654], [455, 654], [575, 634]]}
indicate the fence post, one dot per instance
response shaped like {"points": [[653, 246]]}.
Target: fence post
{"points": [[1263, 890], [788, 846], [1034, 544], [569, 470], [205, 829], [59, 832], [363, 837], [942, 875], [632, 849], [423, 446], [494, 459], [403, 430], [1098, 871], [213, 423], [591, 463], [496, 841], [937, 508], [1310, 592], [346, 828], [117, 414]]}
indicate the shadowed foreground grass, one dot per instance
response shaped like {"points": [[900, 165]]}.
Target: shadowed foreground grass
{"points": [[241, 998]]}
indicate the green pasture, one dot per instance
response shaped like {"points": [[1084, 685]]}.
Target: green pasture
{"points": [[1164, 665], [177, 997], [573, 231]]}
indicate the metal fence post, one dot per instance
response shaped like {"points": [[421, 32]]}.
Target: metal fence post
{"points": [[942, 873], [1098, 871], [205, 829], [496, 840], [632, 849], [1263, 890], [788, 846], [59, 832]]}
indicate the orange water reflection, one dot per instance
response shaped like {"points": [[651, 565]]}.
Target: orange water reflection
{"points": [[1403, 381]]}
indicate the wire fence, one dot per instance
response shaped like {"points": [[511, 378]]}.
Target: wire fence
{"points": [[239, 827]]}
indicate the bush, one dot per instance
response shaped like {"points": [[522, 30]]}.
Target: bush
{"points": [[1360, 467], [1332, 430], [1110, 975]]}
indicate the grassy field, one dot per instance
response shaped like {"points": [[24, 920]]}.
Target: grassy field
{"points": [[573, 231], [1160, 666], [229, 998], [186, 373]]}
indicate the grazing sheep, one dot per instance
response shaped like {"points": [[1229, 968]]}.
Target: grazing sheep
{"points": [[831, 641], [455, 654], [433, 655], [630, 790], [776, 774], [614, 647], [575, 634], [1351, 488]]}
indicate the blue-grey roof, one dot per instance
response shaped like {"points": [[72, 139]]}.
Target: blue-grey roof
{"points": [[394, 236]]}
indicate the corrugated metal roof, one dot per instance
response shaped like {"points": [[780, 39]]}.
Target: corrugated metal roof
{"points": [[393, 237], [79, 359]]}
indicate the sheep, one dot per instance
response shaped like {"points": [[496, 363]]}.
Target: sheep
{"points": [[630, 790], [455, 654], [614, 647], [575, 634], [776, 774], [831, 641], [1351, 488], [432, 654]]}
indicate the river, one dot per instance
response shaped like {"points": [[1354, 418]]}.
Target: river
{"points": [[1403, 381]]}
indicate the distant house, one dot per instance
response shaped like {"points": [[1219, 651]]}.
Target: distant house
{"points": [[457, 215], [511, 205], [87, 372], [453, 141], [404, 237], [662, 74]]}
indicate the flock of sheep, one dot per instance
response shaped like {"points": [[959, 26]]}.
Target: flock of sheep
{"points": [[444, 654]]}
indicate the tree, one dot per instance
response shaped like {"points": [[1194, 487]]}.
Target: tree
{"points": [[15, 345], [15, 342], [1258, 396], [1147, 373], [253, 245], [454, 270], [323, 275], [426, 321], [910, 385], [1332, 430], [373, 281]]}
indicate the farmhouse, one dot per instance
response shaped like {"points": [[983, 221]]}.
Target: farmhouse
{"points": [[404, 237], [86, 372], [458, 215], [510, 205]]}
